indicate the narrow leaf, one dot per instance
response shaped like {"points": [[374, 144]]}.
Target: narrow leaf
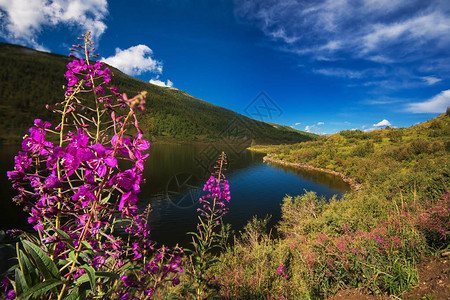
{"points": [[73, 257], [29, 271], [43, 262], [74, 295], [82, 279], [90, 271], [41, 288], [107, 274], [21, 285], [65, 236]]}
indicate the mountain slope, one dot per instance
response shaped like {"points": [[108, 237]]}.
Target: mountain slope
{"points": [[31, 79]]}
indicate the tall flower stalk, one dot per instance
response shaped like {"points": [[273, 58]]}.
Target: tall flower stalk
{"points": [[80, 197], [213, 208]]}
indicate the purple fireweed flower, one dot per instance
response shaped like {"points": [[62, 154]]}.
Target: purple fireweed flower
{"points": [[80, 139], [36, 218], [140, 144], [99, 90], [71, 160], [140, 160], [52, 159], [124, 296], [123, 144], [77, 65], [128, 180], [5, 283], [42, 125], [59, 250], [149, 293], [15, 175], [127, 199], [102, 160], [84, 195], [127, 281], [11, 294], [36, 142], [151, 267], [52, 182], [98, 261], [282, 271], [22, 161], [175, 281]]}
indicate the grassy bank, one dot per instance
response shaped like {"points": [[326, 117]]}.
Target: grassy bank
{"points": [[371, 239]]}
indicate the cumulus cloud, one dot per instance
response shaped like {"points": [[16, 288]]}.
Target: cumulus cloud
{"points": [[320, 123], [298, 123], [382, 31], [436, 104], [382, 123], [156, 81], [21, 21], [135, 60]]}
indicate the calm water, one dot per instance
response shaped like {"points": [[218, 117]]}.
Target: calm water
{"points": [[175, 175]]}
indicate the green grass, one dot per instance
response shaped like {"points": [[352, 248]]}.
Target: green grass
{"points": [[371, 239]]}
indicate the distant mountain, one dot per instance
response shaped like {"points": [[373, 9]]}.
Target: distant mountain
{"points": [[30, 79]]}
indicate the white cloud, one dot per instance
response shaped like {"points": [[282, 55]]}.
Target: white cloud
{"points": [[382, 123], [314, 129], [430, 80], [436, 104], [339, 72], [135, 60], [383, 31], [22, 20], [320, 123], [296, 124], [156, 81]]}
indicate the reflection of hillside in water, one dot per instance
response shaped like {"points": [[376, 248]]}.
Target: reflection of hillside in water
{"points": [[329, 180]]}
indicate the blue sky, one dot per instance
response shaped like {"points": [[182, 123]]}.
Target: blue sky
{"points": [[324, 65]]}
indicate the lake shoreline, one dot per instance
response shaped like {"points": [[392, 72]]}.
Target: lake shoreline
{"points": [[354, 185]]}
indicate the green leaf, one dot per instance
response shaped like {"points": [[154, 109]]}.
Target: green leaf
{"points": [[120, 221], [82, 279], [87, 245], [43, 262], [20, 283], [83, 291], [106, 199], [107, 274], [90, 271], [74, 294], [41, 288], [65, 236], [29, 271], [85, 256], [73, 257]]}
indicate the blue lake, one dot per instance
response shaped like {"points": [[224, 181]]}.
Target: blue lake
{"points": [[175, 175]]}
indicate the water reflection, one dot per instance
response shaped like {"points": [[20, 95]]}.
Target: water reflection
{"points": [[175, 175]]}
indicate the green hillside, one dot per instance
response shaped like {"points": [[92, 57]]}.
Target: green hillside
{"points": [[31, 79], [373, 239]]}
